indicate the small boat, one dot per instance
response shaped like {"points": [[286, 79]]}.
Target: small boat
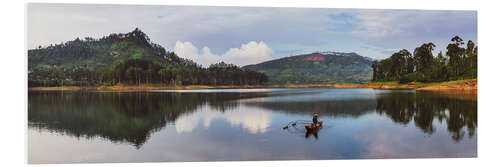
{"points": [[311, 128]]}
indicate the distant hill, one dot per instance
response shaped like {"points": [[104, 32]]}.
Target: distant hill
{"points": [[324, 67], [102, 53]]}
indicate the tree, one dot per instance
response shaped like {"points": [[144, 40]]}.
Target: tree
{"points": [[471, 59], [133, 75], [456, 55], [165, 75], [423, 57], [439, 70], [401, 63]]}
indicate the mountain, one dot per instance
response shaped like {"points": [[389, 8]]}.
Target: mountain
{"points": [[320, 67], [102, 53], [130, 59]]}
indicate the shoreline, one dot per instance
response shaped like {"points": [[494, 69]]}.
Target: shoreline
{"points": [[469, 85], [460, 85]]}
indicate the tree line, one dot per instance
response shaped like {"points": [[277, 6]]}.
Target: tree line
{"points": [[459, 62], [139, 72]]}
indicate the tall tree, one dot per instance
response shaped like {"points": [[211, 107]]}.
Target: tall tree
{"points": [[456, 54], [439, 70], [471, 59], [423, 57]]}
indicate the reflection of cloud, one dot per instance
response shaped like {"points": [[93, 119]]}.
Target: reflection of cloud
{"points": [[381, 143], [255, 120], [186, 124]]}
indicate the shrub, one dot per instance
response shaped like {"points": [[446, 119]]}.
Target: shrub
{"points": [[411, 77]]}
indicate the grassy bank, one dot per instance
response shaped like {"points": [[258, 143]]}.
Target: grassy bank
{"points": [[461, 85]]}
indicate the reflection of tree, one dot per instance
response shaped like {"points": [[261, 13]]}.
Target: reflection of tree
{"points": [[221, 102], [345, 107], [120, 117], [399, 107], [424, 107]]}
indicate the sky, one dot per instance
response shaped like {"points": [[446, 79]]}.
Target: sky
{"points": [[250, 35]]}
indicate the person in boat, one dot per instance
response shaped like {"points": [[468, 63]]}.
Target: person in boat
{"points": [[315, 122]]}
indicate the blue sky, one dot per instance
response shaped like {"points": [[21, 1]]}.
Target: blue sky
{"points": [[248, 35]]}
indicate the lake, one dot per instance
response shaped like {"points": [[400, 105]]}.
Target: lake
{"points": [[247, 124]]}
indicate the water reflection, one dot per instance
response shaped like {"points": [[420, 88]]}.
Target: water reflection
{"points": [[338, 103], [459, 113], [247, 125], [255, 120], [332, 108], [120, 116]]}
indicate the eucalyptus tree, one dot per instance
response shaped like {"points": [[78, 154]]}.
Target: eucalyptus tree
{"points": [[424, 58], [456, 54], [471, 59], [439, 70]]}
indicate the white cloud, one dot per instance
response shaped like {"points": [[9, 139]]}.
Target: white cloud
{"points": [[380, 25], [186, 50], [249, 53]]}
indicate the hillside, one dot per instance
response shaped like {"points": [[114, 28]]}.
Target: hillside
{"points": [[328, 67], [101, 53], [126, 59]]}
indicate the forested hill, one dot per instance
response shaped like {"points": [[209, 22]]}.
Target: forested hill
{"points": [[130, 59], [325, 67], [102, 53]]}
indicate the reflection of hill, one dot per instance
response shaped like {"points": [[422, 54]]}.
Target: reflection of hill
{"points": [[120, 117], [424, 107], [344, 107]]}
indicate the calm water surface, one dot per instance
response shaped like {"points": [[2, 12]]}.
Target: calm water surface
{"points": [[246, 124]]}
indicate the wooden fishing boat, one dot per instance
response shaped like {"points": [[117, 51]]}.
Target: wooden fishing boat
{"points": [[311, 128]]}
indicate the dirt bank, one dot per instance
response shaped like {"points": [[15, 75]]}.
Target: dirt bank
{"points": [[462, 85]]}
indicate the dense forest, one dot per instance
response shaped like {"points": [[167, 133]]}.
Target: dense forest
{"points": [[126, 59], [318, 67], [459, 62]]}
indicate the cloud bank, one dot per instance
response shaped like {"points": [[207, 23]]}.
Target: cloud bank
{"points": [[249, 53], [288, 31], [396, 26]]}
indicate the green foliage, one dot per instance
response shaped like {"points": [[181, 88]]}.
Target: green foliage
{"points": [[424, 58], [411, 77], [399, 64], [459, 63], [100, 54]]}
